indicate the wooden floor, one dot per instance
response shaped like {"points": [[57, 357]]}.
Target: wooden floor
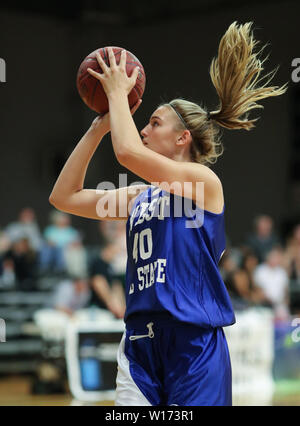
{"points": [[15, 391]]}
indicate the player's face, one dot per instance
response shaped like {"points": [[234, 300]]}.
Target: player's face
{"points": [[160, 135]]}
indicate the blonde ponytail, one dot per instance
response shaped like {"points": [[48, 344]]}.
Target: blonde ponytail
{"points": [[235, 74]]}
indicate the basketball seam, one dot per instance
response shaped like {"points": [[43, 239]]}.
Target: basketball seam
{"points": [[94, 91], [138, 93], [105, 57]]}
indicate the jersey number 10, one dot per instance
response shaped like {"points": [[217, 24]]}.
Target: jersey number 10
{"points": [[139, 244]]}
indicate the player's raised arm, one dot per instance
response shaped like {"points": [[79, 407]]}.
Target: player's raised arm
{"points": [[68, 193], [155, 167], [182, 138]]}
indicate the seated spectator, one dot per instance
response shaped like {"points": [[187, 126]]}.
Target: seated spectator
{"points": [[71, 295], [292, 250], [108, 231], [228, 263], [263, 238], [114, 233], [60, 233], [292, 265], [273, 279], [51, 260], [57, 236], [237, 272], [75, 258], [244, 281], [119, 258], [25, 227], [23, 259], [294, 276], [107, 291], [7, 273]]}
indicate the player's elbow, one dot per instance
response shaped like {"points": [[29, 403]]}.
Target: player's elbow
{"points": [[52, 199], [125, 157], [55, 202], [121, 157]]}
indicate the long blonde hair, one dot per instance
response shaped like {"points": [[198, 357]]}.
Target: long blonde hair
{"points": [[236, 76]]}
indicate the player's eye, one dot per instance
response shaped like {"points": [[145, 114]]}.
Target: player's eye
{"points": [[154, 123]]}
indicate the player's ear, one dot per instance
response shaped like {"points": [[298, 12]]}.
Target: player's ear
{"points": [[184, 138]]}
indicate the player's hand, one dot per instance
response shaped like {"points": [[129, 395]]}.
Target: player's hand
{"points": [[115, 78], [102, 123]]}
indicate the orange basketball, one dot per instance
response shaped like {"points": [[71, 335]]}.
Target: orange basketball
{"points": [[91, 90]]}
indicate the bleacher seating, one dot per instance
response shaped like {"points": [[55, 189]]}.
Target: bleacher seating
{"points": [[23, 347]]}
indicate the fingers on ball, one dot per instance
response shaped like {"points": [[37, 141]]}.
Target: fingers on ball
{"points": [[94, 73], [123, 59], [112, 58], [101, 62]]}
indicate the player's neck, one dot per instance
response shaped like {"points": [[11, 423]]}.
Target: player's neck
{"points": [[182, 157]]}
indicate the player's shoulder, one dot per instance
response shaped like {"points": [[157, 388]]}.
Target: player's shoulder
{"points": [[202, 170]]}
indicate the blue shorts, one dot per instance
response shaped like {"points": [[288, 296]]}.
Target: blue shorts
{"points": [[176, 363]]}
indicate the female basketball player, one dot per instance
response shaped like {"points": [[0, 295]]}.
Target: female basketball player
{"points": [[173, 351]]}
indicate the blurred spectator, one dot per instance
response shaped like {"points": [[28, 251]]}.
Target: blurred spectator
{"points": [[292, 252], [263, 238], [26, 227], [60, 233], [71, 295], [76, 258], [245, 283], [237, 272], [108, 231], [57, 236], [107, 291], [23, 259], [114, 233], [292, 264], [273, 279], [7, 273], [228, 265], [119, 258]]}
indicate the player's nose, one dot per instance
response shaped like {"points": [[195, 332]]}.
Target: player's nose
{"points": [[143, 133]]}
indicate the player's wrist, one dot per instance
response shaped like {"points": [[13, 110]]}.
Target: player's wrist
{"points": [[99, 127], [96, 132], [116, 95]]}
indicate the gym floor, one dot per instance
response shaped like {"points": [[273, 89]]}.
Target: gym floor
{"points": [[15, 391]]}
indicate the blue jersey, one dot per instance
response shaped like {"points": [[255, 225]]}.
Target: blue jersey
{"points": [[173, 250]]}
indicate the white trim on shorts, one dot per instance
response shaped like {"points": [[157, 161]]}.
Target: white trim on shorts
{"points": [[127, 392]]}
